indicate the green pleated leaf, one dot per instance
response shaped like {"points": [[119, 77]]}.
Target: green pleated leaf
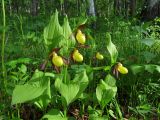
{"points": [[141, 68], [73, 89], [111, 49], [92, 117], [66, 89], [82, 21], [56, 35], [137, 69], [54, 114], [24, 93], [36, 87], [106, 90], [53, 33], [69, 39], [43, 100], [82, 80], [148, 41], [14, 63]]}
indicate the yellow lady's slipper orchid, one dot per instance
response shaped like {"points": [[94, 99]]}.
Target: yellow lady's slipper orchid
{"points": [[57, 60], [80, 37], [77, 56], [99, 56], [122, 69]]}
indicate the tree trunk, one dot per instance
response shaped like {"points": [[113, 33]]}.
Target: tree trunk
{"points": [[43, 6], [15, 5], [34, 7], [126, 7], [92, 8], [152, 3], [117, 7], [151, 11], [133, 7], [10, 7]]}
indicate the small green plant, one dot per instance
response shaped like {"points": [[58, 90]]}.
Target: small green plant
{"points": [[71, 75]]}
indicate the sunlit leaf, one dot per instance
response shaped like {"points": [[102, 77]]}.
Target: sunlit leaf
{"points": [[23, 68], [137, 69], [141, 68], [54, 114], [106, 90], [98, 118], [82, 21], [112, 49], [148, 41], [53, 33], [31, 90], [69, 40], [13, 63], [76, 87], [65, 91], [148, 56], [43, 101]]}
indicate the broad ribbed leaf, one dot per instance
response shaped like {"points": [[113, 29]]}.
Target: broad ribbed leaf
{"points": [[82, 21], [111, 49], [106, 90], [66, 89], [54, 114], [74, 89], [68, 38], [148, 56], [82, 80], [43, 101], [13, 63], [137, 69], [67, 32], [53, 33], [148, 41], [141, 68], [92, 117], [56, 35], [31, 90], [24, 93]]}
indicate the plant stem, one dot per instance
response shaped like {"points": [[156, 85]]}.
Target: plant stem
{"points": [[106, 68], [3, 43], [65, 75], [65, 112], [118, 109], [21, 25], [99, 68]]}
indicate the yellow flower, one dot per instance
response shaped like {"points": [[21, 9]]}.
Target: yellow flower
{"points": [[57, 60], [99, 56], [80, 37], [77, 56], [122, 69]]}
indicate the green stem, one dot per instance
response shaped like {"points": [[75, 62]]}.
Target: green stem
{"points": [[99, 68], [21, 25], [3, 43], [106, 68], [65, 74], [65, 112], [44, 7], [118, 109], [18, 111]]}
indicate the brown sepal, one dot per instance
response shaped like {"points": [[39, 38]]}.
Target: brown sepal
{"points": [[43, 65], [83, 46], [57, 69]]}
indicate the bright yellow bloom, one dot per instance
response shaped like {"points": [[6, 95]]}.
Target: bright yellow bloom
{"points": [[80, 37], [77, 56], [99, 56], [57, 60], [122, 69]]}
